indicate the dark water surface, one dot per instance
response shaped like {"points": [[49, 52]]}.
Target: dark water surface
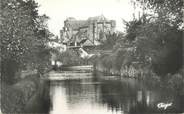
{"points": [[111, 95]]}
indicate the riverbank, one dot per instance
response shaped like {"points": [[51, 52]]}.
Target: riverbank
{"points": [[29, 95], [106, 65]]}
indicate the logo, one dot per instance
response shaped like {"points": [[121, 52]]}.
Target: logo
{"points": [[164, 105]]}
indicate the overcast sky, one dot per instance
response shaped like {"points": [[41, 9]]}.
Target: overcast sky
{"points": [[59, 10]]}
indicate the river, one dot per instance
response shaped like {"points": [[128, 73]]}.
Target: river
{"points": [[98, 94]]}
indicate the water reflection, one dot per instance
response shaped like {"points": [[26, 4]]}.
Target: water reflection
{"points": [[99, 96], [58, 99]]}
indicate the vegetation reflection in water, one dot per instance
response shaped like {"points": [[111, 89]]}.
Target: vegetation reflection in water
{"points": [[101, 96]]}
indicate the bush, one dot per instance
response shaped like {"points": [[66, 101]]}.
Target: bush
{"points": [[71, 57], [9, 68], [176, 82]]}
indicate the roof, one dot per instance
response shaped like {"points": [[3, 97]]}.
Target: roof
{"points": [[98, 18], [76, 24], [88, 43]]}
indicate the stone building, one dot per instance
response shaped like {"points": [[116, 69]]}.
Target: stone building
{"points": [[86, 32]]}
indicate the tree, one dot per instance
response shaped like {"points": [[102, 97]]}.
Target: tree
{"points": [[160, 39], [110, 40], [156, 38], [168, 11], [131, 29], [23, 35]]}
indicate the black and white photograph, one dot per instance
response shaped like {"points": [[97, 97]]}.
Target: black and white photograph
{"points": [[91, 57]]}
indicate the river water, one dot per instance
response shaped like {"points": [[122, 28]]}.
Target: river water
{"points": [[110, 95]]}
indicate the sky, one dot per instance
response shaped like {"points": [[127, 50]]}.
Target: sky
{"points": [[59, 10]]}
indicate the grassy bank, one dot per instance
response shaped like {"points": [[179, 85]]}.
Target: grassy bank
{"points": [[28, 95]]}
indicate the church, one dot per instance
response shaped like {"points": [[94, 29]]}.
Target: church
{"points": [[90, 32]]}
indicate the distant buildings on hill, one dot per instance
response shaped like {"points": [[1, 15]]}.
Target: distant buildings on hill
{"points": [[86, 32]]}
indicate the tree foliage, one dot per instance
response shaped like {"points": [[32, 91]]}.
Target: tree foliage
{"points": [[168, 11], [110, 40], [161, 39], [154, 41], [24, 33]]}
